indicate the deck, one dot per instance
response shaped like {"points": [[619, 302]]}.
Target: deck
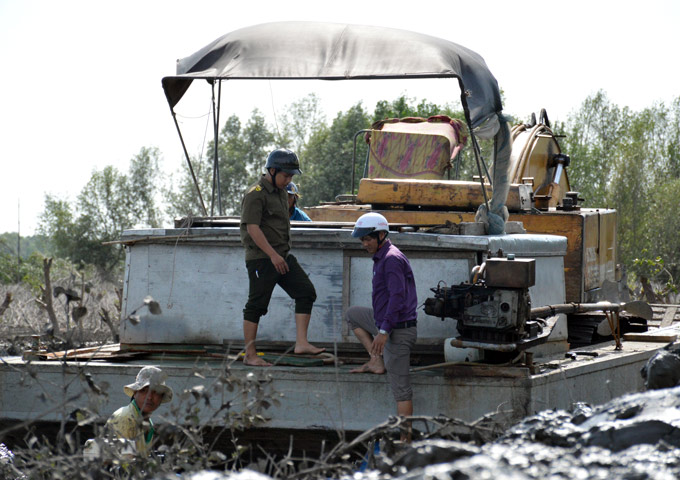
{"points": [[328, 396]]}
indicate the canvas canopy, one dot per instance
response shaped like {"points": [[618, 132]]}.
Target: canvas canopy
{"points": [[330, 51], [335, 51]]}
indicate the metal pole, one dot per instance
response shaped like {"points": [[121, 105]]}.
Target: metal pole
{"points": [[214, 170], [217, 138], [18, 277], [191, 168], [354, 154], [475, 146]]}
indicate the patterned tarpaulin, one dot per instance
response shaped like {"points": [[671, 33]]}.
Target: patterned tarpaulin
{"points": [[414, 148]]}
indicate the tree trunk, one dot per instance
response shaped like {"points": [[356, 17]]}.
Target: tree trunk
{"points": [[47, 297], [5, 304]]}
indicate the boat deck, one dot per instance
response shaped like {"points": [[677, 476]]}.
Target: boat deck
{"points": [[329, 396]]}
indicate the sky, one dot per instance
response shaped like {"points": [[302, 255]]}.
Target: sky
{"points": [[80, 81]]}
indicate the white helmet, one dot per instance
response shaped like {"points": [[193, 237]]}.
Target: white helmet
{"points": [[369, 223]]}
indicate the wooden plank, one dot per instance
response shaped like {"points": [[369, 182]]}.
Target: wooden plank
{"points": [[668, 317], [454, 194], [475, 370], [105, 352], [638, 337], [668, 334], [84, 352]]}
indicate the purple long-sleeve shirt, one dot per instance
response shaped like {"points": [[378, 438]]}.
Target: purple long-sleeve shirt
{"points": [[394, 288]]}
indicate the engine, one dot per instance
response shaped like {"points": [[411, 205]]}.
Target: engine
{"points": [[495, 306]]}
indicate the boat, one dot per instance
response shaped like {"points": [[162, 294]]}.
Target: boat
{"points": [[518, 280]]}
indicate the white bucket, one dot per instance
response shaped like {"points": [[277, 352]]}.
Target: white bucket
{"points": [[457, 354]]}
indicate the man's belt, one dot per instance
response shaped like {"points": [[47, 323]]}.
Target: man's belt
{"points": [[408, 324]]}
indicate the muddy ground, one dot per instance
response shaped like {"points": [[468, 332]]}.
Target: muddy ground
{"points": [[634, 437]]}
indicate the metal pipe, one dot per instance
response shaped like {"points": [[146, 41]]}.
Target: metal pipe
{"points": [[550, 310]]}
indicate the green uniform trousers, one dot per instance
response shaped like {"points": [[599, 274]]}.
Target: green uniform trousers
{"points": [[263, 278]]}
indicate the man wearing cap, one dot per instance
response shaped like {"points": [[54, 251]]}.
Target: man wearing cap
{"points": [[388, 330], [295, 212], [133, 421], [265, 234]]}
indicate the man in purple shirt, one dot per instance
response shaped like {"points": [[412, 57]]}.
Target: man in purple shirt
{"points": [[388, 330]]}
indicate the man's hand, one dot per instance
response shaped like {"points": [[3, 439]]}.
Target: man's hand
{"points": [[378, 345], [279, 263], [260, 240]]}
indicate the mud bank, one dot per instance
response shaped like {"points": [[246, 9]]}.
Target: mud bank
{"points": [[632, 437]]}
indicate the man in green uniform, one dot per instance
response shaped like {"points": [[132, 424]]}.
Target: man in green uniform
{"points": [[265, 234], [133, 421]]}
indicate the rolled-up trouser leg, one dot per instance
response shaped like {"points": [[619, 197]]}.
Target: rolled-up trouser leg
{"points": [[397, 357], [361, 317], [262, 277], [298, 286], [397, 353]]}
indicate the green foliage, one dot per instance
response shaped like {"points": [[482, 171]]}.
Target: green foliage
{"points": [[404, 107], [630, 161], [182, 196], [108, 204], [29, 245], [656, 270], [30, 271], [300, 120], [12, 271], [591, 136], [328, 157], [242, 152]]}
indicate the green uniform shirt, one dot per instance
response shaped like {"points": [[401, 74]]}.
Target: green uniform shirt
{"points": [[127, 423], [267, 207]]}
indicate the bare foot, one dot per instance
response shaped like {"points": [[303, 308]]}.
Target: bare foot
{"points": [[308, 349], [255, 361], [372, 366]]}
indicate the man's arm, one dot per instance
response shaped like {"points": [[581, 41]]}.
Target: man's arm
{"points": [[395, 283], [261, 241]]}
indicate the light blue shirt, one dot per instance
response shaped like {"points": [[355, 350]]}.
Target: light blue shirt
{"points": [[300, 215]]}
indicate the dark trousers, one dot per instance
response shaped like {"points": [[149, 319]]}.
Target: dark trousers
{"points": [[263, 278]]}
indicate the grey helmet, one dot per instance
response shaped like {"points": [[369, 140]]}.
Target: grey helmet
{"points": [[284, 160]]}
